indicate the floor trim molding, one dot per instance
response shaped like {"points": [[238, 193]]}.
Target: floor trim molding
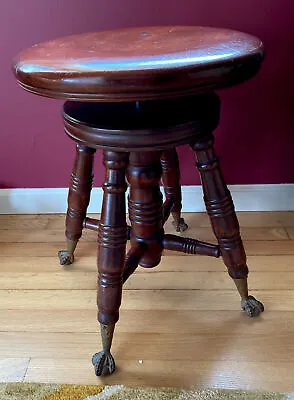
{"points": [[273, 197]]}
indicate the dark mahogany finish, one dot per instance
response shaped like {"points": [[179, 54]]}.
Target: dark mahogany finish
{"points": [[138, 94], [172, 188], [171, 178], [190, 246], [78, 200], [145, 206], [112, 237], [148, 126], [139, 63], [220, 208], [79, 192]]}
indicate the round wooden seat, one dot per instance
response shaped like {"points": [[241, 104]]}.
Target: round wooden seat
{"points": [[137, 126], [139, 63]]}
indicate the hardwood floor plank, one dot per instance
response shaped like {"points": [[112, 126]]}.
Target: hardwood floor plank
{"points": [[273, 376], [146, 346], [205, 300], [13, 369], [32, 222], [181, 280], [183, 318], [290, 232], [259, 247], [35, 265], [246, 219], [149, 321], [45, 235]]}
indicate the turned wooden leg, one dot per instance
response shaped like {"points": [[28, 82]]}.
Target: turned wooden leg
{"points": [[78, 201], [220, 209], [112, 239], [145, 206], [172, 187]]}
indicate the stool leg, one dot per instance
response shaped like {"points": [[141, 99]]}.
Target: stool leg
{"points": [[172, 187], [112, 239], [224, 221], [78, 201]]}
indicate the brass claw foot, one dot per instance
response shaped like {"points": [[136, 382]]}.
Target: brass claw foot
{"points": [[252, 306], [103, 363], [65, 257], [180, 225]]}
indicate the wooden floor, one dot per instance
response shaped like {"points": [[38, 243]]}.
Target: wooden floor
{"points": [[182, 319]]}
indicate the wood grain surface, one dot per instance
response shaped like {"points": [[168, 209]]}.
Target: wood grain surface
{"points": [[181, 318]]}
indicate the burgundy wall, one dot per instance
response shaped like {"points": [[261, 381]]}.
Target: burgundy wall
{"points": [[255, 138]]}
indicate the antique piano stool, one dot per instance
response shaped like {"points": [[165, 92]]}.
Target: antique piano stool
{"points": [[137, 94]]}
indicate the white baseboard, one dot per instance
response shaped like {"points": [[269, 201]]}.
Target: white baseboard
{"points": [[273, 197]]}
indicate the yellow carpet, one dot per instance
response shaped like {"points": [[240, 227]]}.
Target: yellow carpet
{"points": [[37, 391]]}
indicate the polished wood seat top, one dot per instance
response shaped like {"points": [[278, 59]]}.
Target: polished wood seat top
{"points": [[139, 63]]}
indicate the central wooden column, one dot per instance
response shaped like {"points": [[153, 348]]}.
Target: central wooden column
{"points": [[145, 205]]}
